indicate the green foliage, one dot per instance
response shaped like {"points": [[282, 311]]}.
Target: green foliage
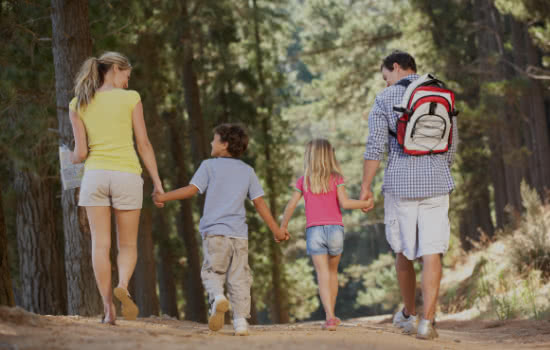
{"points": [[302, 298]]}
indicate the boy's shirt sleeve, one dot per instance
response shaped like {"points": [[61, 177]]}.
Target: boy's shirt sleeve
{"points": [[255, 189], [300, 185], [201, 177]]}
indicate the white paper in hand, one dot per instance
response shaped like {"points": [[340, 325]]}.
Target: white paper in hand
{"points": [[71, 174]]}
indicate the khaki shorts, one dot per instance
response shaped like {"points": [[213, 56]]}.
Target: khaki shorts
{"points": [[106, 188], [417, 227]]}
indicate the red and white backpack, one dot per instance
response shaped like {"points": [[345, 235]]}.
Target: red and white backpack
{"points": [[426, 116]]}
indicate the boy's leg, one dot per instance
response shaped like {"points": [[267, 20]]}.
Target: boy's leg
{"points": [[217, 256], [239, 279], [321, 264]]}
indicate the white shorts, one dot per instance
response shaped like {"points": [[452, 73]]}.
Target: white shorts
{"points": [[417, 226], [104, 188]]}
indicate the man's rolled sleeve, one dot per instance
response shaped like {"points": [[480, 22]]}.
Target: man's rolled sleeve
{"points": [[378, 132], [454, 144]]}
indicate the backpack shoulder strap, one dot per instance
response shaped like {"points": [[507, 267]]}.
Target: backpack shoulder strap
{"points": [[403, 82]]}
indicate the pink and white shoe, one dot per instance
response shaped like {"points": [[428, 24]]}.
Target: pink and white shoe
{"points": [[330, 325]]}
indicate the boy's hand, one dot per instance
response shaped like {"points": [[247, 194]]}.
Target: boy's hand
{"points": [[281, 235]]}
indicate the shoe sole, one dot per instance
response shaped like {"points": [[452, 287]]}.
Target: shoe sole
{"points": [[241, 334], [430, 336], [216, 321], [130, 310]]}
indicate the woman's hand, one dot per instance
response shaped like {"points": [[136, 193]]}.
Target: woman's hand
{"points": [[157, 189]]}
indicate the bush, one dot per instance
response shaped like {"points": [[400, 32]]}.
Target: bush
{"points": [[531, 245]]}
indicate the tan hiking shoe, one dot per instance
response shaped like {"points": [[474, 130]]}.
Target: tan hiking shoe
{"points": [[217, 313]]}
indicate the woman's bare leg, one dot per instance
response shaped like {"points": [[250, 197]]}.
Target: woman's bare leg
{"points": [[127, 223], [100, 227]]}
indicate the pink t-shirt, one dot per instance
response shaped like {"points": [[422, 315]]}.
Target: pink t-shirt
{"points": [[322, 208]]}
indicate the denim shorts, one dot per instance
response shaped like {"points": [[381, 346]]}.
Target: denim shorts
{"points": [[325, 239]]}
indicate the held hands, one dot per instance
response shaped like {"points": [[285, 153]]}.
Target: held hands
{"points": [[281, 235], [368, 196], [158, 190]]}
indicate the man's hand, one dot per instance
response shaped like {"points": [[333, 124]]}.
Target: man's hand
{"points": [[367, 195]]}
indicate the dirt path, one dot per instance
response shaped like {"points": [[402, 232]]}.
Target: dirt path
{"points": [[21, 330]]}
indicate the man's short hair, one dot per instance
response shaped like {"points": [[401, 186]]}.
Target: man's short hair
{"points": [[236, 137], [403, 59]]}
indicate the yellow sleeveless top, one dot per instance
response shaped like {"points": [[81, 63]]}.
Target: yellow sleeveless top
{"points": [[108, 122]]}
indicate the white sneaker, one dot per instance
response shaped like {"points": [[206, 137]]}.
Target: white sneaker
{"points": [[241, 326], [426, 330], [217, 313], [409, 324]]}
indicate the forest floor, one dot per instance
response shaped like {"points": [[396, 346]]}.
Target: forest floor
{"points": [[21, 330]]}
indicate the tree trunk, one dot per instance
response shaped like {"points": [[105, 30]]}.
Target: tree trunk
{"points": [[145, 281], [165, 267], [507, 161], [199, 143], [280, 302], [195, 307], [72, 44], [6, 287], [43, 288], [531, 109]]}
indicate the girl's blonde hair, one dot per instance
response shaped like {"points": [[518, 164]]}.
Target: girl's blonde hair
{"points": [[320, 165], [92, 74]]}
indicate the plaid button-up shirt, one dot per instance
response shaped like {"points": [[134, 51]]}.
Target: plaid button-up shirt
{"points": [[406, 176]]}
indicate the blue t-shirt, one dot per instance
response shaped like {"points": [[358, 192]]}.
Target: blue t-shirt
{"points": [[227, 183]]}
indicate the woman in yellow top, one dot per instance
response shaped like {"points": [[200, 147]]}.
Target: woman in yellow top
{"points": [[105, 116]]}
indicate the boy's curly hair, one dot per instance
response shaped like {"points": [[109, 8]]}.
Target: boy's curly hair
{"points": [[236, 137]]}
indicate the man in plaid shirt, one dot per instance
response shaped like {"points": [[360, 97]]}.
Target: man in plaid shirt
{"points": [[416, 198]]}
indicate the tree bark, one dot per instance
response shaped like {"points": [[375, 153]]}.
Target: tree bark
{"points": [[72, 44], [6, 287], [195, 307], [43, 288], [165, 268], [145, 281], [280, 299]]}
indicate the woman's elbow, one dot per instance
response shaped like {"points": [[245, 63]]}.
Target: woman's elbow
{"points": [[79, 157], [144, 146]]}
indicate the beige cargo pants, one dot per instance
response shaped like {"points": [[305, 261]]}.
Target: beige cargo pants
{"points": [[226, 260]]}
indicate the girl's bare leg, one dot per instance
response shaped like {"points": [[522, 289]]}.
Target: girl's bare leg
{"points": [[333, 261], [321, 263]]}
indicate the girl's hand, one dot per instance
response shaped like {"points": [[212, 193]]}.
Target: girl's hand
{"points": [[157, 190], [369, 204]]}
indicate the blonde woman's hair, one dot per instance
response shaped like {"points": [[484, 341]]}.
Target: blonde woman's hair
{"points": [[92, 74], [320, 165]]}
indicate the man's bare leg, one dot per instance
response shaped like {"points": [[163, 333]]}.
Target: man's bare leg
{"points": [[407, 282], [431, 278]]}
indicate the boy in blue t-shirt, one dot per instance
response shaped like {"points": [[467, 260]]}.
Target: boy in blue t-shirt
{"points": [[227, 181]]}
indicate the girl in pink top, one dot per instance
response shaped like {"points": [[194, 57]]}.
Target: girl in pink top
{"points": [[322, 187]]}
